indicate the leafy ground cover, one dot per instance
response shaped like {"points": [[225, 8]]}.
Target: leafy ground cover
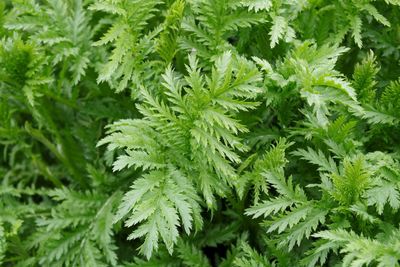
{"points": [[200, 133]]}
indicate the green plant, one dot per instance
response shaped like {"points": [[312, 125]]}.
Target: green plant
{"points": [[199, 133]]}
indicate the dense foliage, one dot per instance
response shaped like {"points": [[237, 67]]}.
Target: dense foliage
{"points": [[200, 133]]}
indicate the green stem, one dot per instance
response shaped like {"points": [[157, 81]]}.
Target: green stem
{"points": [[62, 100], [46, 172], [42, 139]]}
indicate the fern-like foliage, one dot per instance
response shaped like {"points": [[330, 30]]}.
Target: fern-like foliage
{"points": [[167, 43], [309, 72], [22, 69], [362, 251], [381, 109], [232, 133], [247, 256], [63, 26], [352, 16], [187, 142], [302, 218], [213, 21], [74, 236], [130, 38], [364, 79], [361, 182], [389, 100], [272, 162], [350, 185]]}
